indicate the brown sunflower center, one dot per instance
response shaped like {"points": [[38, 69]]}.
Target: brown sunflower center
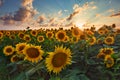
{"points": [[32, 52], [21, 47], [27, 38], [34, 33], [107, 51], [40, 38], [21, 35], [82, 37], [59, 59], [109, 40], [49, 35], [61, 36], [8, 50]]}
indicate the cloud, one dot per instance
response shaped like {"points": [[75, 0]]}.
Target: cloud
{"points": [[41, 19], [60, 12], [24, 14], [1, 2], [77, 9], [115, 15]]}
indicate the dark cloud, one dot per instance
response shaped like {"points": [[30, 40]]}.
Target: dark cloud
{"points": [[116, 14], [72, 15], [1, 2], [22, 14]]}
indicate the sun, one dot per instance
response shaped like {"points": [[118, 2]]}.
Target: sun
{"points": [[79, 24]]}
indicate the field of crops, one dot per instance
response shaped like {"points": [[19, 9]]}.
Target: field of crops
{"points": [[58, 54]]}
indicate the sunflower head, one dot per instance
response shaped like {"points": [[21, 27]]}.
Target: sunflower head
{"points": [[8, 50], [109, 61], [20, 47], [76, 32], [21, 35], [107, 51], [27, 38], [40, 38], [60, 35], [99, 41], [49, 34], [16, 58], [92, 40], [12, 37], [58, 59], [1, 35], [33, 53], [34, 32], [109, 40]]}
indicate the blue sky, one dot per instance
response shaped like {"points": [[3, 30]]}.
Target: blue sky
{"points": [[38, 13]]}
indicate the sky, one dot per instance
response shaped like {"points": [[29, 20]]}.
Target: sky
{"points": [[20, 14]]}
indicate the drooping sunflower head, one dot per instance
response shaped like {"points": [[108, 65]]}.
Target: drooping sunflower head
{"points": [[40, 38], [34, 32], [1, 35], [117, 31], [101, 55], [76, 32], [109, 40], [33, 53], [15, 58], [20, 47], [60, 35], [27, 38], [58, 59], [109, 61], [49, 34], [8, 50]]}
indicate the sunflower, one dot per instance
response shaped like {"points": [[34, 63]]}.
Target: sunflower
{"points": [[66, 39], [89, 33], [109, 40], [92, 40], [101, 32], [15, 58], [117, 31], [20, 47], [49, 34], [7, 33], [33, 53], [57, 60], [40, 38], [76, 32], [34, 32], [8, 50], [27, 38], [99, 41], [74, 39], [101, 55], [60, 35], [83, 37], [12, 37], [1, 35], [21, 35], [109, 61], [107, 51]]}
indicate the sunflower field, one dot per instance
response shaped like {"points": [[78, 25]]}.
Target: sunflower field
{"points": [[60, 54]]}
